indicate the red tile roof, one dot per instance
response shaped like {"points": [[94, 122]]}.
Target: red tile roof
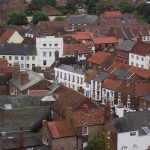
{"points": [[141, 48], [60, 129], [91, 76], [105, 40], [38, 91], [113, 14], [69, 49], [99, 57], [87, 117], [51, 10], [111, 84], [81, 35], [68, 98], [6, 35]]}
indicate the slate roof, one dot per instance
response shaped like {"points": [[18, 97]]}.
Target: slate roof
{"points": [[83, 19], [27, 112], [146, 97], [133, 121], [71, 69], [121, 74], [101, 76], [126, 45], [17, 49], [33, 78]]}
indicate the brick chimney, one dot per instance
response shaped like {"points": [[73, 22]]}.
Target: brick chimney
{"points": [[107, 111], [24, 78], [15, 70]]}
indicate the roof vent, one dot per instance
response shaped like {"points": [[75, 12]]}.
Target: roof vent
{"points": [[8, 106]]}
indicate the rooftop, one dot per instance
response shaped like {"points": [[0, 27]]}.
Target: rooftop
{"points": [[103, 40]]}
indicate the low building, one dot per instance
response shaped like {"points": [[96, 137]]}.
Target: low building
{"points": [[70, 76]]}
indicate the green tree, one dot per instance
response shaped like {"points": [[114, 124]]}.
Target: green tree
{"points": [[143, 9], [17, 18], [39, 16], [126, 7], [100, 142], [91, 8], [38, 4], [71, 6]]}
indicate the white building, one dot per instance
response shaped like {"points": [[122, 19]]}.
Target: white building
{"points": [[140, 55], [25, 55], [133, 131], [70, 76], [46, 48]]}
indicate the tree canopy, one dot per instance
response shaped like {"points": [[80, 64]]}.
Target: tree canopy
{"points": [[17, 18], [39, 16]]}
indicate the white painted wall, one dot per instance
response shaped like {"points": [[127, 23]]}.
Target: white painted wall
{"points": [[70, 79], [46, 48]]}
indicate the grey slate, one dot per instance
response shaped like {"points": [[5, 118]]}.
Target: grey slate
{"points": [[126, 45], [133, 121], [101, 76], [17, 49]]}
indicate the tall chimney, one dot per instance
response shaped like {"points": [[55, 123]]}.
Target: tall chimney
{"points": [[24, 78], [15, 70]]}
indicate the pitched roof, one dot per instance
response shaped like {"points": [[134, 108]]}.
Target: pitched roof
{"points": [[141, 48], [6, 35], [126, 45], [101, 76], [68, 98], [90, 76], [99, 57], [38, 92], [33, 78], [103, 40], [133, 121], [81, 35], [87, 117], [51, 10], [17, 49], [60, 129], [113, 14], [69, 49]]}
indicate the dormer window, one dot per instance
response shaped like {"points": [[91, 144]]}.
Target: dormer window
{"points": [[85, 131]]}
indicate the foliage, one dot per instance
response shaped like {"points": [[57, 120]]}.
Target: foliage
{"points": [[39, 16], [91, 8], [18, 18], [126, 7], [143, 9], [100, 142], [38, 4], [71, 6]]}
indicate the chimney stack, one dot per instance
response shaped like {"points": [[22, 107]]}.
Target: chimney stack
{"points": [[15, 70], [24, 78]]}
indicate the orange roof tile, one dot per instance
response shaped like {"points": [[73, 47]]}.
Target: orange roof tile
{"points": [[38, 91], [82, 36], [91, 76], [60, 129], [99, 57], [113, 14], [6, 35], [87, 117], [105, 40]]}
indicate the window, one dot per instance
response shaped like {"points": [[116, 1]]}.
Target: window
{"points": [[68, 77], [132, 133], [137, 57], [28, 58], [85, 131], [33, 65], [33, 57], [107, 94], [132, 56], [50, 54], [142, 66], [10, 58], [44, 62], [137, 65], [44, 54], [132, 63], [56, 44], [22, 58], [44, 44], [142, 58], [16, 57], [28, 65], [81, 80], [112, 94], [73, 78], [104, 91], [50, 44], [77, 79]]}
